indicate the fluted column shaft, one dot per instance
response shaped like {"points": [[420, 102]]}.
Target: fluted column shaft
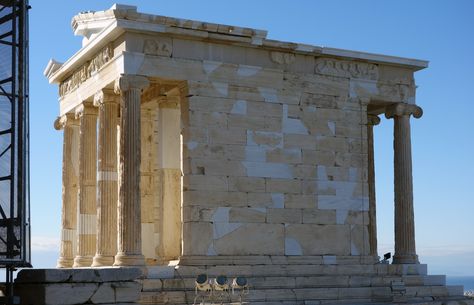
{"points": [[372, 120], [87, 211], [405, 249], [129, 217], [107, 177], [70, 175]]}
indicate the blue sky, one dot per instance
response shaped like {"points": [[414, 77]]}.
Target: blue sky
{"points": [[442, 140]]}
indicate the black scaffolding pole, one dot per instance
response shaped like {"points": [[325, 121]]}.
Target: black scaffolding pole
{"points": [[14, 142]]}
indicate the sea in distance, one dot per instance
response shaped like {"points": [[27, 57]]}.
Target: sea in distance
{"points": [[466, 281]]}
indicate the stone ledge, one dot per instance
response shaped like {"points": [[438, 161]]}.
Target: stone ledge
{"points": [[277, 260], [78, 286], [86, 275]]}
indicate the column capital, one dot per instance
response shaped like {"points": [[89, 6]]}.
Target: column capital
{"points": [[66, 119], [86, 108], [104, 96], [373, 119], [402, 109], [127, 82]]}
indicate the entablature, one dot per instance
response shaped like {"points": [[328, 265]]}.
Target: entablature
{"points": [[103, 27]]}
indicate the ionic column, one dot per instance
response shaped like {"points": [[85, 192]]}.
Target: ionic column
{"points": [[405, 250], [372, 120], [68, 249], [129, 210], [107, 176], [87, 211]]}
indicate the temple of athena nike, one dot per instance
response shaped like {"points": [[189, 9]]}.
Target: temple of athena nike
{"points": [[192, 148]]}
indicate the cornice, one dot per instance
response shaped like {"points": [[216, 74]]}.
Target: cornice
{"points": [[105, 26]]}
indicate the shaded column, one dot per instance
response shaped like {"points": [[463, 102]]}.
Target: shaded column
{"points": [[107, 177], [372, 120], [129, 210], [70, 175], [405, 250], [87, 211]]}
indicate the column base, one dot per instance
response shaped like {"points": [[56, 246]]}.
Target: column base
{"points": [[102, 260], [405, 259], [124, 260], [82, 261], [65, 262]]}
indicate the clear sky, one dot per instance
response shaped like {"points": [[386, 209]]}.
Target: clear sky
{"points": [[442, 140]]}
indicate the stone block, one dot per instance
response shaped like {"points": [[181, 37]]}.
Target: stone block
{"points": [[272, 124], [289, 186], [197, 237], [266, 239], [357, 218], [215, 198], [303, 171], [217, 167], [454, 290], [318, 157], [248, 215], [208, 104], [332, 144], [288, 155], [355, 293], [152, 285], [360, 281], [228, 136], [321, 217], [205, 183], [319, 239], [313, 100], [433, 280], [359, 240], [105, 293], [284, 215], [318, 84], [245, 121], [268, 170], [77, 293], [97, 275], [298, 201], [264, 109], [337, 203], [322, 281], [160, 272], [257, 200], [44, 275], [317, 293], [265, 139], [246, 184], [193, 213], [272, 282], [300, 141]]}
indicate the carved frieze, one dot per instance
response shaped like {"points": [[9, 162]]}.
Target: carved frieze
{"points": [[346, 68], [157, 47], [282, 58], [85, 71]]}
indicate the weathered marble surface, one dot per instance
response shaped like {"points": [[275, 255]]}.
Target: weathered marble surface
{"points": [[240, 155]]}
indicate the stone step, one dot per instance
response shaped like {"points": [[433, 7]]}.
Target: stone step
{"points": [[284, 270], [422, 301], [354, 295], [268, 282]]}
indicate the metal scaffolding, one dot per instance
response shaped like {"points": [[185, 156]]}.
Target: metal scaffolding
{"points": [[14, 138]]}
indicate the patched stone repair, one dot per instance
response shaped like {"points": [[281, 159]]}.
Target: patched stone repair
{"points": [[231, 154]]}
